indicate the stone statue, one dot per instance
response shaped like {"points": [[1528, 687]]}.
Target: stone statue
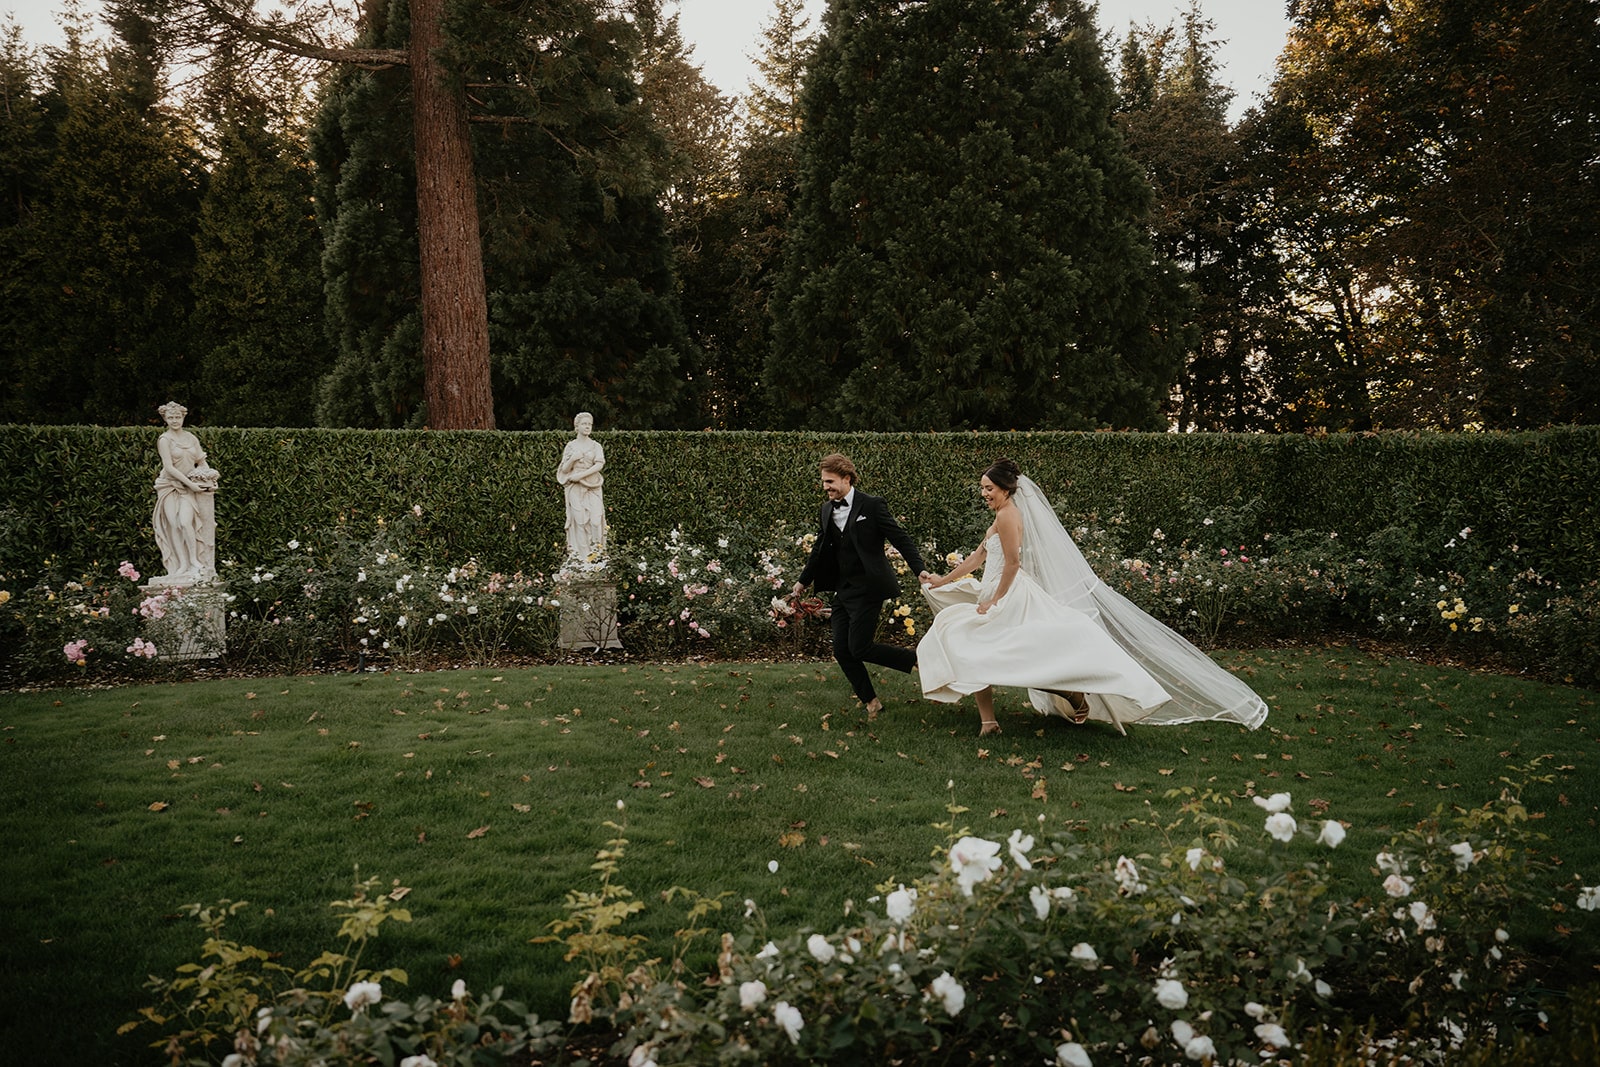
{"points": [[185, 518], [581, 463]]}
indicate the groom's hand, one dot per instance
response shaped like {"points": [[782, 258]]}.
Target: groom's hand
{"points": [[799, 589]]}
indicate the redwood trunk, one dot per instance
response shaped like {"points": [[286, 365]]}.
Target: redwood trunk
{"points": [[455, 312]]}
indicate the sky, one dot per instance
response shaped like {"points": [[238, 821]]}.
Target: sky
{"points": [[725, 33]]}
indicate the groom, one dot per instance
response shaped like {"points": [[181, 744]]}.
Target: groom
{"points": [[848, 558]]}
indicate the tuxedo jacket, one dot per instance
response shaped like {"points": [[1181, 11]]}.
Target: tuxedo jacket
{"points": [[852, 561]]}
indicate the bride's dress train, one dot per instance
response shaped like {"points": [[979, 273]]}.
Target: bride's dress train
{"points": [[1059, 628]]}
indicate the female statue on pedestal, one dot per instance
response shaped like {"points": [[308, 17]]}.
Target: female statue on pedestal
{"points": [[579, 472], [185, 518]]}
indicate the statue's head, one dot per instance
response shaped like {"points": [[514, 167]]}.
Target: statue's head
{"points": [[583, 422], [173, 412]]}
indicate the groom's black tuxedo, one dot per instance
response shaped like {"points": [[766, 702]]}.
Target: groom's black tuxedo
{"points": [[851, 562]]}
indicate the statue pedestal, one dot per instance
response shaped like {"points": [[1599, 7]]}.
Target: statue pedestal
{"points": [[194, 623], [589, 615]]}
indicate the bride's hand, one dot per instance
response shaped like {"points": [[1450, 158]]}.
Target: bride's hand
{"points": [[984, 606], [933, 581]]}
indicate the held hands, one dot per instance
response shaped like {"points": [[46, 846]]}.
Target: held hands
{"points": [[932, 581]]}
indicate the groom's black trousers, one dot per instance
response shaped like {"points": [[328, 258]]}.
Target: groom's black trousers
{"points": [[855, 629]]}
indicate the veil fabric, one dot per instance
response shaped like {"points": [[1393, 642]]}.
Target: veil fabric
{"points": [[1201, 690]]}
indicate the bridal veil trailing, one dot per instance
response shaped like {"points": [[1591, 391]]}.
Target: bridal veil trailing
{"points": [[1199, 688]]}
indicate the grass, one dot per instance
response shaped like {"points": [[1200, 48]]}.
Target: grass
{"points": [[485, 792]]}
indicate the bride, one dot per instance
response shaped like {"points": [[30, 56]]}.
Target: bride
{"points": [[1042, 620]]}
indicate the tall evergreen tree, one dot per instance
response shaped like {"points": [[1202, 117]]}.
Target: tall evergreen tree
{"points": [[968, 248], [698, 124], [258, 279], [583, 308], [99, 332], [454, 339], [1174, 119], [728, 281], [24, 152]]}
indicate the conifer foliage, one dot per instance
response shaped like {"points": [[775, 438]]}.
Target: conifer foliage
{"points": [[969, 245]]}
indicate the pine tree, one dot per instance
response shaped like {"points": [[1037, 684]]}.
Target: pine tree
{"points": [[569, 165], [109, 249], [728, 280], [968, 246], [258, 280], [24, 154], [1173, 116]]}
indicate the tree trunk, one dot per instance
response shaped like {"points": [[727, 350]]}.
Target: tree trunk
{"points": [[455, 313]]}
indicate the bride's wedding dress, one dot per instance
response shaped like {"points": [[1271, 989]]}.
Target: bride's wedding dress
{"points": [[1028, 640], [1059, 630]]}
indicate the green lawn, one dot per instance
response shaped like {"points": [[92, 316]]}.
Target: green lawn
{"points": [[485, 792]]}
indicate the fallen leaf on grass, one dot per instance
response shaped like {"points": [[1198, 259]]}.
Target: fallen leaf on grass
{"points": [[479, 832], [523, 808], [1119, 787], [703, 782], [791, 839], [1039, 792], [160, 805], [1164, 771]]}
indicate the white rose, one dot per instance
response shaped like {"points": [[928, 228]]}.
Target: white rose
{"points": [[789, 1018], [819, 948], [1275, 803], [949, 991], [752, 995], [1170, 994], [1072, 1054], [361, 994], [1332, 834]]}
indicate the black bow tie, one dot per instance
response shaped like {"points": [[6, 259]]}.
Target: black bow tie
{"points": [[838, 503]]}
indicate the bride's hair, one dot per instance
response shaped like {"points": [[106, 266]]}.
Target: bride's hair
{"points": [[1004, 474]]}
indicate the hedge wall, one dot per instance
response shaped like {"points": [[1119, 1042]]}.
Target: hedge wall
{"points": [[83, 495]]}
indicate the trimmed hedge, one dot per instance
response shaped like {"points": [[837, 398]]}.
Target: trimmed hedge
{"points": [[82, 496]]}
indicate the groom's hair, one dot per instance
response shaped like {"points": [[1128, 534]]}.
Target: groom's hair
{"points": [[839, 463]]}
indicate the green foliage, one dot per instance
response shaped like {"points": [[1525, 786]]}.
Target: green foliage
{"points": [[98, 292], [1217, 944], [968, 247], [1173, 116], [258, 282], [241, 999], [583, 311], [340, 543], [1431, 188]]}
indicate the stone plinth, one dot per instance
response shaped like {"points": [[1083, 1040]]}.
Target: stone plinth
{"points": [[589, 616], [186, 622]]}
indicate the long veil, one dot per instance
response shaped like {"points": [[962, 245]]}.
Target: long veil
{"points": [[1200, 689]]}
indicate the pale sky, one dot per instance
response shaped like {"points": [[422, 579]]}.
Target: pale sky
{"points": [[725, 33]]}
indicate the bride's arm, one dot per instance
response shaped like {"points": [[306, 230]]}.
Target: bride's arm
{"points": [[1008, 525], [968, 565]]}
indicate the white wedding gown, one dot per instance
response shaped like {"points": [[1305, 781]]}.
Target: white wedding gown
{"points": [[1029, 640]]}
